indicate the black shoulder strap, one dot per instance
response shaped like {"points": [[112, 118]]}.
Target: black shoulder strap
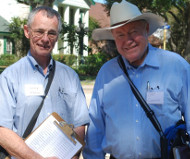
{"points": [[149, 112], [36, 114]]}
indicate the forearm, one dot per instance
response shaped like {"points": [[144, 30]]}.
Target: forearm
{"points": [[15, 145], [81, 133]]}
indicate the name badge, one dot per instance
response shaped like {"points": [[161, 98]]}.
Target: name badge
{"points": [[155, 97], [34, 90]]}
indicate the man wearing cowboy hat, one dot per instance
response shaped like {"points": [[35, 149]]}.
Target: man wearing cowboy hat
{"points": [[119, 125]]}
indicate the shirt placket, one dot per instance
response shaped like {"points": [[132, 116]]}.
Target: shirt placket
{"points": [[134, 75]]}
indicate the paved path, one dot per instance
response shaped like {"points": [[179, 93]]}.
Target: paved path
{"points": [[88, 88]]}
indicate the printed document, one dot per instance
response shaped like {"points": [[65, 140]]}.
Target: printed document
{"points": [[49, 140]]}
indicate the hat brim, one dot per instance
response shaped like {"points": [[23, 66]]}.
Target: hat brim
{"points": [[154, 21]]}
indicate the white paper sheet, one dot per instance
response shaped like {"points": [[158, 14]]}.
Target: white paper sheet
{"points": [[49, 140]]}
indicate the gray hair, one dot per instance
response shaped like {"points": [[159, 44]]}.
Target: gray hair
{"points": [[49, 13]]}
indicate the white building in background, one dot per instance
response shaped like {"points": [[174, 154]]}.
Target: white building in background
{"points": [[8, 10], [71, 11]]}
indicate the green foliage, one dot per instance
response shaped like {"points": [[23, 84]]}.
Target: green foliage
{"points": [[73, 36], [68, 34], [92, 64], [86, 70], [155, 6], [20, 42], [69, 60], [35, 3], [179, 32], [1, 70], [7, 59], [93, 24]]}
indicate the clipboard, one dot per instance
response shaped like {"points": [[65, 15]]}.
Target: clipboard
{"points": [[55, 138]]}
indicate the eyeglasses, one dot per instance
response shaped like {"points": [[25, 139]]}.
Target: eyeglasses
{"points": [[39, 33]]}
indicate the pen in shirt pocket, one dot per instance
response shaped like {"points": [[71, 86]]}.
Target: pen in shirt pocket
{"points": [[148, 85]]}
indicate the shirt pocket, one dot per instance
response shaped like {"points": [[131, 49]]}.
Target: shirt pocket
{"points": [[66, 104]]}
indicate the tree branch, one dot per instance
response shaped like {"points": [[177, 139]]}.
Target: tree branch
{"points": [[174, 16]]}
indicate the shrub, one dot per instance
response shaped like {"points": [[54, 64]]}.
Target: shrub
{"points": [[7, 59], [92, 64], [69, 60]]}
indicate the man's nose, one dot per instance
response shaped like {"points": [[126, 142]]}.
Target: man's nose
{"points": [[128, 39], [45, 36]]}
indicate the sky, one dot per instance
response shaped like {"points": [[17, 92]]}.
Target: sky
{"points": [[99, 1]]}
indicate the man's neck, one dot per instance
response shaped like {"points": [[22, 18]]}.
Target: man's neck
{"points": [[43, 61]]}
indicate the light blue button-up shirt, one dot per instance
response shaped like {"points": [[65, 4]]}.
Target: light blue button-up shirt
{"points": [[118, 123], [65, 96]]}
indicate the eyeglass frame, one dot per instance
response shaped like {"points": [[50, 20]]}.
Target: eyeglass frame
{"points": [[39, 31]]}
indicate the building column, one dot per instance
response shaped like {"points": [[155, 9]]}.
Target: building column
{"points": [[55, 49], [66, 20], [77, 17], [76, 23], [86, 25]]}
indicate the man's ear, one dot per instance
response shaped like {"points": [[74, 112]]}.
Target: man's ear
{"points": [[26, 31]]}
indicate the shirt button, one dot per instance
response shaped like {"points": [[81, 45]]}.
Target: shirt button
{"points": [[140, 153], [136, 105], [137, 76], [48, 113], [137, 121], [138, 138]]}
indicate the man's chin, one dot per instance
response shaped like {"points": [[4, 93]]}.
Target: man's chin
{"points": [[131, 56], [45, 50]]}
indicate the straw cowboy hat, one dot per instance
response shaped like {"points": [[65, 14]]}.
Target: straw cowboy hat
{"points": [[123, 13]]}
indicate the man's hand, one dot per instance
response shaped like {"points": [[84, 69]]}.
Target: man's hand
{"points": [[75, 157], [16, 146]]}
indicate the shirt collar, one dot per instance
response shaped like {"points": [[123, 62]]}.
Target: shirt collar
{"points": [[150, 59], [34, 63]]}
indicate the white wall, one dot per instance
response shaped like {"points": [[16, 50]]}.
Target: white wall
{"points": [[1, 45], [11, 8], [76, 3]]}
